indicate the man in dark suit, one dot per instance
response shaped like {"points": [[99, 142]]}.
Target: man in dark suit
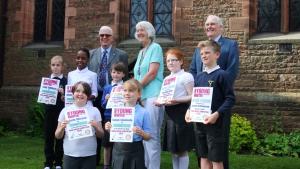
{"points": [[228, 61], [104, 57]]}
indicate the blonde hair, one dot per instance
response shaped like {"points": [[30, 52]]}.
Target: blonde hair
{"points": [[57, 58], [134, 85], [210, 43]]}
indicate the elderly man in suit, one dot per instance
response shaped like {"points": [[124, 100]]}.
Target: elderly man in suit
{"points": [[101, 60], [228, 61]]}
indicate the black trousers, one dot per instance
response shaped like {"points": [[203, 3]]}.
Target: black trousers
{"points": [[53, 148]]}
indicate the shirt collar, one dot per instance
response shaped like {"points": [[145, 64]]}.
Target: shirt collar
{"points": [[180, 71], [107, 49], [83, 70], [60, 76], [211, 70], [217, 38], [118, 83]]}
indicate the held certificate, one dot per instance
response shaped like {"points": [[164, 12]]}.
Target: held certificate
{"points": [[122, 120], [78, 124], [167, 89], [48, 91], [116, 98], [201, 103], [69, 99]]}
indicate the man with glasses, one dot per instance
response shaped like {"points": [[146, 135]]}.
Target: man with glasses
{"points": [[101, 60], [228, 61]]}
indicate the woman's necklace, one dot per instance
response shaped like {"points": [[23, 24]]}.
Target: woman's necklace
{"points": [[144, 50]]}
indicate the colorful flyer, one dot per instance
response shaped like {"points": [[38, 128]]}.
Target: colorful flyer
{"points": [[201, 103], [167, 90], [116, 98], [48, 91], [69, 99], [78, 124], [122, 120]]}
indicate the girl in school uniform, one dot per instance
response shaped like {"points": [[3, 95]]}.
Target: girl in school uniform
{"points": [[82, 73], [178, 136], [131, 155], [80, 153]]}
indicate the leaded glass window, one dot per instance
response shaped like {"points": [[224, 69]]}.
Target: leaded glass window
{"points": [[163, 17], [294, 15], [269, 16], [43, 24], [58, 20], [138, 13], [40, 18]]}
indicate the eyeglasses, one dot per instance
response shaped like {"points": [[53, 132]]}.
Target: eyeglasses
{"points": [[106, 35], [172, 60]]}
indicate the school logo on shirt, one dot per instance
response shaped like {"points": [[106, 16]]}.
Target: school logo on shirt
{"points": [[210, 83]]}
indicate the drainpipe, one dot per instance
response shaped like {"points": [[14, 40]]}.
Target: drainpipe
{"points": [[3, 21]]}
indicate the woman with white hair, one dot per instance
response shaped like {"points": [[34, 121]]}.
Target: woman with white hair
{"points": [[148, 70]]}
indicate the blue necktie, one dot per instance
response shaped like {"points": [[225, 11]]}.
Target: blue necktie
{"points": [[103, 69]]}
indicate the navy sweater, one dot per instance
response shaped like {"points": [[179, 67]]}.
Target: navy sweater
{"points": [[223, 97]]}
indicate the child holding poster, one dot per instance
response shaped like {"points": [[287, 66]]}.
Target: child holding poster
{"points": [[131, 155], [178, 136], [79, 152], [118, 71], [210, 134], [53, 148]]}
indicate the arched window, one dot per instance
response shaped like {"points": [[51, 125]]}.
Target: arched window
{"points": [[49, 20]]}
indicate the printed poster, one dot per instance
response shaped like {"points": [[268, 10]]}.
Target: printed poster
{"points": [[116, 98], [122, 120], [201, 103], [167, 90], [48, 91], [78, 124], [69, 99]]}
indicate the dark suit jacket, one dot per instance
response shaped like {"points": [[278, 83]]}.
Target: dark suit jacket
{"points": [[228, 60], [115, 55]]}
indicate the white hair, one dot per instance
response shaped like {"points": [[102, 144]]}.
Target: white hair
{"points": [[215, 19], [148, 28]]}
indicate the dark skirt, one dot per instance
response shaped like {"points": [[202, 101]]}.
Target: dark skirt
{"points": [[178, 135], [128, 156]]}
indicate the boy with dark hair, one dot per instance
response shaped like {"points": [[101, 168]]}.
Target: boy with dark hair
{"points": [[210, 140], [117, 72]]}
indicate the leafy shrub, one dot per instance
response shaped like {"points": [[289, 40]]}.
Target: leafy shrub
{"points": [[36, 117], [281, 144], [5, 125], [242, 135]]}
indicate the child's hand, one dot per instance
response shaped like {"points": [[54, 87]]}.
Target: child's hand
{"points": [[171, 102], [211, 119], [107, 96], [107, 126], [137, 130], [63, 124], [187, 116], [94, 124], [61, 91], [157, 103]]}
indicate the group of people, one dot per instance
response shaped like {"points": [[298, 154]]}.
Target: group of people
{"points": [[214, 64]]}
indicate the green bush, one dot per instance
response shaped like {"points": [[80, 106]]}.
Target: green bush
{"points": [[36, 117], [5, 126], [242, 135], [281, 144]]}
